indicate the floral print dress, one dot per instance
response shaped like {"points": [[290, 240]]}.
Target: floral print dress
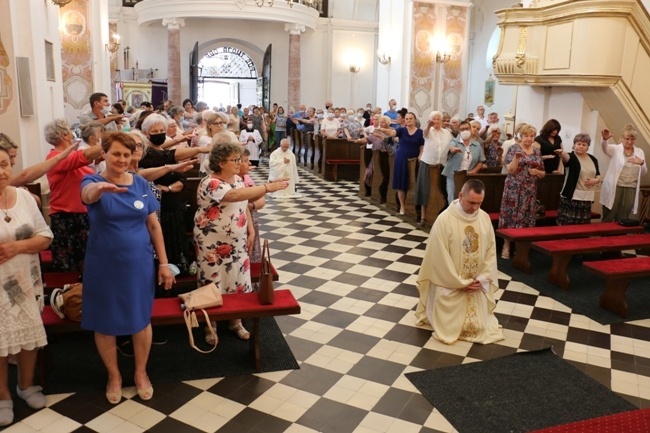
{"points": [[519, 202], [220, 231]]}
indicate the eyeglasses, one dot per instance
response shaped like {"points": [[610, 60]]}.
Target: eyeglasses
{"points": [[236, 161], [217, 123], [139, 145]]}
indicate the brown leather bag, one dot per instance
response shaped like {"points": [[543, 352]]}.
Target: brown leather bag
{"points": [[66, 302], [266, 292]]}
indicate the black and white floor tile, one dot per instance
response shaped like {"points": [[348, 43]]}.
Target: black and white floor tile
{"points": [[352, 265]]}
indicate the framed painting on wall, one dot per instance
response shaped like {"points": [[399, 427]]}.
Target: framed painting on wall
{"points": [[489, 91], [50, 75], [136, 93]]}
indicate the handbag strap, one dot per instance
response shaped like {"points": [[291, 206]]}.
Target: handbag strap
{"points": [[266, 258], [188, 322]]}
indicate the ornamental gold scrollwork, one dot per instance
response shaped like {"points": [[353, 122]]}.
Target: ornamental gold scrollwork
{"points": [[521, 46]]}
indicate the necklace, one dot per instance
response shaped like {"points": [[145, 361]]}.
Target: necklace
{"points": [[7, 217]]}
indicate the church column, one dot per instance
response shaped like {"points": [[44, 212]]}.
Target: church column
{"points": [[294, 63], [174, 57]]}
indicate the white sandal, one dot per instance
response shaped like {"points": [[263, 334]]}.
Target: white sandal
{"points": [[242, 333]]}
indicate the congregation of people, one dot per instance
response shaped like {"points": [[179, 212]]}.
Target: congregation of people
{"points": [[115, 205]]}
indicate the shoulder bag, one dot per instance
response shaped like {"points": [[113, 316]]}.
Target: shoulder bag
{"points": [[66, 302], [204, 297]]}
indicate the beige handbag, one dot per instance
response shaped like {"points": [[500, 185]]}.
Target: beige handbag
{"points": [[204, 297]]}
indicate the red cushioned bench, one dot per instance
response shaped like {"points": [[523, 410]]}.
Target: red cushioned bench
{"points": [[634, 421], [617, 274], [167, 311], [563, 250], [523, 237], [336, 162]]}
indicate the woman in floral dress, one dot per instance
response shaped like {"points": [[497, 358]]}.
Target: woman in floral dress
{"points": [[525, 167], [223, 228]]}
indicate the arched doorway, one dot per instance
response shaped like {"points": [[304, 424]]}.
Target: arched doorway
{"points": [[227, 76]]}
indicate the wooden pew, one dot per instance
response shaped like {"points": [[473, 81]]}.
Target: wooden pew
{"points": [[523, 237], [317, 160], [380, 181], [493, 188], [548, 193], [168, 311], [563, 250], [296, 138], [617, 274], [392, 201], [340, 160], [436, 199], [311, 151], [644, 203], [188, 196]]}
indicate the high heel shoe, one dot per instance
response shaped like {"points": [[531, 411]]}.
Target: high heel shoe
{"points": [[145, 393], [114, 397]]}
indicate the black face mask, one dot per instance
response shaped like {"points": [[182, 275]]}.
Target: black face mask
{"points": [[157, 139]]}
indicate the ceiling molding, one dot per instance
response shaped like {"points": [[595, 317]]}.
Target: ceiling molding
{"points": [[151, 11]]}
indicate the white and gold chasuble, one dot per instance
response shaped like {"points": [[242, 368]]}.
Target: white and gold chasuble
{"points": [[460, 249]]}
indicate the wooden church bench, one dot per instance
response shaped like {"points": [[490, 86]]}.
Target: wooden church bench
{"points": [[563, 250], [523, 237], [617, 274], [168, 311]]}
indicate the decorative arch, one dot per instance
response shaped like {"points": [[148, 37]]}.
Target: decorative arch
{"points": [[227, 62]]}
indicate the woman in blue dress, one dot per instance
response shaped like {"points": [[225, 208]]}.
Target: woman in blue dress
{"points": [[119, 275], [411, 143]]}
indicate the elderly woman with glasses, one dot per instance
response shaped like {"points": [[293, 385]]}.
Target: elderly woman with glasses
{"points": [[216, 123], [223, 228]]}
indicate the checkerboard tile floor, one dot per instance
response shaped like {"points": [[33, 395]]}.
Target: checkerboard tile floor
{"points": [[352, 266]]}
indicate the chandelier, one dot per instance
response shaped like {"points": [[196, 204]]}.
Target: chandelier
{"points": [[61, 3], [260, 3]]}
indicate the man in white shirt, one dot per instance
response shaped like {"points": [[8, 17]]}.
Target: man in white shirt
{"points": [[481, 117]]}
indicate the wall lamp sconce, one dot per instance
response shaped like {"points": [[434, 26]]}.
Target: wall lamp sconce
{"points": [[60, 3], [354, 68], [114, 45], [442, 57], [383, 58]]}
